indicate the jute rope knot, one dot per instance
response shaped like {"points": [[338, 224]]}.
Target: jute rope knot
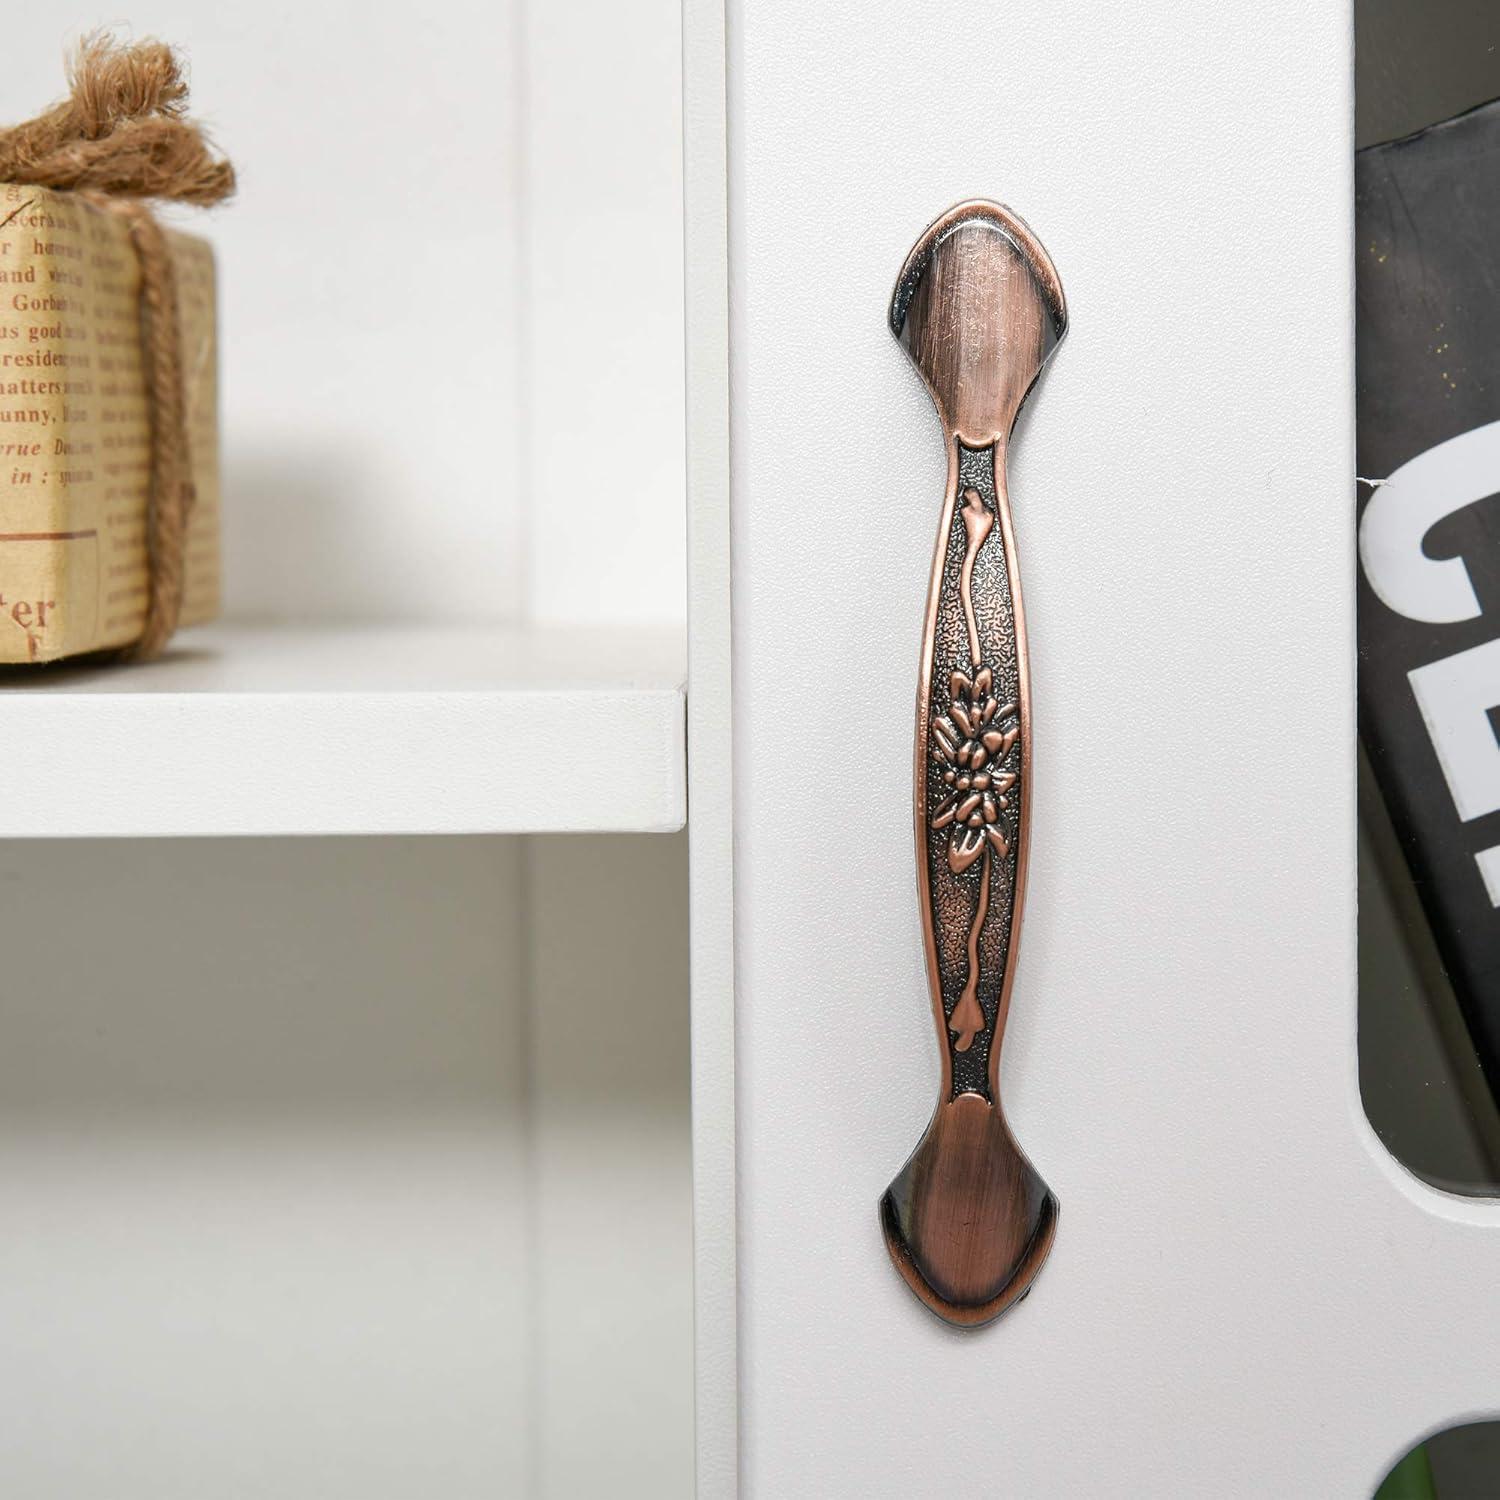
{"points": [[121, 139]]}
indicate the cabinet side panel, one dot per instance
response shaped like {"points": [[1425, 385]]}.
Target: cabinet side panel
{"points": [[710, 751], [1179, 1059]]}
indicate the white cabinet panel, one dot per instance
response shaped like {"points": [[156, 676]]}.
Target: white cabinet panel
{"points": [[1246, 1297]]}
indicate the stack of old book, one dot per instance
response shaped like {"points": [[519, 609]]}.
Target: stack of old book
{"points": [[76, 433]]}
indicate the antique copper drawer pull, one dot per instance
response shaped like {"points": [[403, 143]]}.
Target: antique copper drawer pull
{"points": [[979, 309]]}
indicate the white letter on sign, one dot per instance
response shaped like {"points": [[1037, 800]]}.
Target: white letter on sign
{"points": [[1455, 696], [1407, 506]]}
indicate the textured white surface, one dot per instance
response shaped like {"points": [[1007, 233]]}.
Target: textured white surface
{"points": [[267, 730], [1247, 1298]]}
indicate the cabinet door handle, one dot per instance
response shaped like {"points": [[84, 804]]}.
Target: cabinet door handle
{"points": [[979, 309]]}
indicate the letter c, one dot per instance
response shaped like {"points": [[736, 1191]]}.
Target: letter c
{"points": [[1404, 509]]}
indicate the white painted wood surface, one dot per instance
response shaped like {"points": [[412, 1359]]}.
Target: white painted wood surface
{"points": [[1247, 1297], [356, 729], [710, 751]]}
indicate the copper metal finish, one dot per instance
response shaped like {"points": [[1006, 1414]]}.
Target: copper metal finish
{"points": [[979, 309]]}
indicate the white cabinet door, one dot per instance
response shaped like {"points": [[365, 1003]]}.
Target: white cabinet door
{"points": [[1246, 1296]]}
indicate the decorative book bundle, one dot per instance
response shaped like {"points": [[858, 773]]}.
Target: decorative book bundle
{"points": [[109, 498]]}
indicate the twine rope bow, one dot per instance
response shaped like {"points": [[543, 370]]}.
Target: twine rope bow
{"points": [[121, 139]]}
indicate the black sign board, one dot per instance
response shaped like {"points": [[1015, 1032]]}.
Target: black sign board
{"points": [[1427, 275]]}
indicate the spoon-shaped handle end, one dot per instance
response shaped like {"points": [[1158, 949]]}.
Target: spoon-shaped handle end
{"points": [[968, 1221]]}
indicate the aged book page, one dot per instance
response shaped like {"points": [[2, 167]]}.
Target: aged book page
{"points": [[75, 437]]}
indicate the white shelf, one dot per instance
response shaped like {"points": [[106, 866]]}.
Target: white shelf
{"points": [[339, 729]]}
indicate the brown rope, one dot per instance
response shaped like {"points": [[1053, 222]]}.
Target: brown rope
{"points": [[118, 139]]}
